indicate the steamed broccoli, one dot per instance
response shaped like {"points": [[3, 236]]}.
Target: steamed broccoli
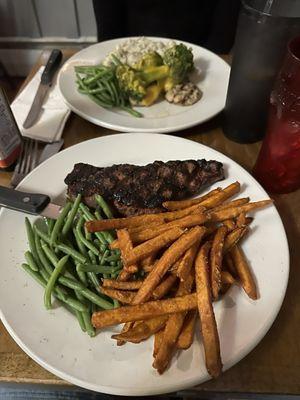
{"points": [[134, 83], [151, 59], [179, 58]]}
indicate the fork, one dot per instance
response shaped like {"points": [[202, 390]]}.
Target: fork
{"points": [[27, 161]]}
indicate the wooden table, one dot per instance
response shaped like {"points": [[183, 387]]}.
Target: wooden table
{"points": [[274, 365]]}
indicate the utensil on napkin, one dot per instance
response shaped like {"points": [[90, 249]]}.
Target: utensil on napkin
{"points": [[53, 114]]}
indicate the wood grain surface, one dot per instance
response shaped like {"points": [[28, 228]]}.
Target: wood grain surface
{"points": [[274, 365]]}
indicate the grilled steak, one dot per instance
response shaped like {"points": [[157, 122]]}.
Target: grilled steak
{"points": [[134, 190]]}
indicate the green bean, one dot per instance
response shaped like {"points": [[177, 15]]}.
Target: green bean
{"points": [[43, 259], [50, 224], [71, 216], [52, 281], [94, 280], [71, 283], [42, 235], [52, 257], [61, 292], [88, 324], [92, 257], [83, 251], [104, 255], [35, 275], [98, 269], [88, 244], [80, 319], [95, 298], [105, 207], [88, 216], [73, 303], [116, 60], [116, 303], [94, 78], [31, 261], [131, 111], [59, 223], [88, 234], [112, 258], [30, 237], [71, 252]]}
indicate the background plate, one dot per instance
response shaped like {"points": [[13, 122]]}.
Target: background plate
{"points": [[53, 338], [212, 78]]}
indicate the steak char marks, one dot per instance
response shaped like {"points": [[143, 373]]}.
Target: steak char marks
{"points": [[134, 190]]}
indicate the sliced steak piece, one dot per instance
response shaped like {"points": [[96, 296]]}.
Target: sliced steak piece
{"points": [[133, 189]]}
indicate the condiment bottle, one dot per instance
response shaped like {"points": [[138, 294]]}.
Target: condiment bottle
{"points": [[10, 136]]}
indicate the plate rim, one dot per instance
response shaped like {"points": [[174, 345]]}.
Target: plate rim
{"points": [[132, 129], [175, 386]]}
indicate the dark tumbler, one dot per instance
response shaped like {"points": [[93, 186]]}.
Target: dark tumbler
{"points": [[264, 29]]}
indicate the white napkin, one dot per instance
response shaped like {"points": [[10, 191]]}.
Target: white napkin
{"points": [[54, 113]]}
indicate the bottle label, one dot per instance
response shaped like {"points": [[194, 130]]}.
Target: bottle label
{"points": [[10, 137]]}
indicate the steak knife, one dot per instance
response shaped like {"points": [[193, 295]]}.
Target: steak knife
{"points": [[46, 80], [30, 203]]}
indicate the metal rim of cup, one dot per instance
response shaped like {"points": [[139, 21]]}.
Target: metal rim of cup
{"points": [[253, 10]]}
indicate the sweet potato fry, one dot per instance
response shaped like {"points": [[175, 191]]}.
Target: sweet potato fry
{"points": [[233, 212], [148, 268], [157, 341], [114, 284], [114, 245], [221, 196], [178, 205], [227, 278], [186, 262], [125, 246], [142, 330], [233, 203], [230, 224], [233, 237], [124, 276], [208, 322], [148, 261], [140, 228], [164, 287], [172, 329], [172, 215], [186, 337], [101, 319], [216, 257], [119, 223], [184, 222], [230, 264], [145, 249], [126, 328], [241, 220], [244, 272], [124, 296], [170, 256]]}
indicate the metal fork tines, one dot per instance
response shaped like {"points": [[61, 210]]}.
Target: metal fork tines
{"points": [[27, 161]]}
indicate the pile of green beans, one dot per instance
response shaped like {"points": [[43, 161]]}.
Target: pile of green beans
{"points": [[68, 261], [100, 84]]}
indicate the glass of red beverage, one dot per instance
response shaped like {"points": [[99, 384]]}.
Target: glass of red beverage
{"points": [[278, 165]]}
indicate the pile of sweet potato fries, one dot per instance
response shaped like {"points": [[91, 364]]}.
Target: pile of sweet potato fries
{"points": [[190, 255]]}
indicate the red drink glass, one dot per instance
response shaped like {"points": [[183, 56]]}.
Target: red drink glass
{"points": [[278, 165]]}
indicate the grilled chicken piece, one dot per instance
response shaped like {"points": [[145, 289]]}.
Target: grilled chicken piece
{"points": [[134, 190]]}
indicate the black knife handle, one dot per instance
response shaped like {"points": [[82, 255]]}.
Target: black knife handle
{"points": [[31, 203], [51, 66]]}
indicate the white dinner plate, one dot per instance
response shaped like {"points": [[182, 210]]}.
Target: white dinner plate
{"points": [[54, 339], [211, 76]]}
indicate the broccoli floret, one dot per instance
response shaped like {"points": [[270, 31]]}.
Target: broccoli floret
{"points": [[134, 83], [151, 59], [179, 58]]}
